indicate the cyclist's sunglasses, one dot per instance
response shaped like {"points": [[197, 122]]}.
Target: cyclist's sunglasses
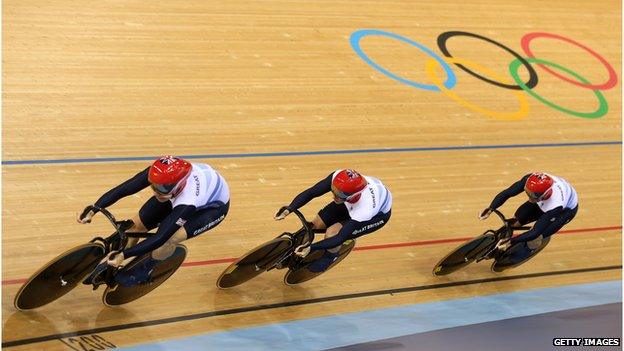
{"points": [[339, 194], [164, 189], [532, 195]]}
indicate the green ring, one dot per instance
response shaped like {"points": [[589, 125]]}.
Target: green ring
{"points": [[601, 111]]}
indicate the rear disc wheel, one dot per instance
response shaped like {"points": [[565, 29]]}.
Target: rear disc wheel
{"points": [[254, 263]]}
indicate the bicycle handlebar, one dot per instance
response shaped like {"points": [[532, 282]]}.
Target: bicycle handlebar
{"points": [[306, 226], [105, 212], [500, 215], [505, 221], [113, 221]]}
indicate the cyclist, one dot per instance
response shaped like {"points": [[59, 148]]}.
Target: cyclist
{"points": [[188, 200], [552, 203], [361, 205]]}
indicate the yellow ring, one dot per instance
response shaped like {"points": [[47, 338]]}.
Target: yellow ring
{"points": [[507, 116]]}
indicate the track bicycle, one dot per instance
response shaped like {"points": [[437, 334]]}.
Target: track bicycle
{"points": [[483, 247], [66, 271], [279, 253]]}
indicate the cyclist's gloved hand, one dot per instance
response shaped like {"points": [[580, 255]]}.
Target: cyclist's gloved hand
{"points": [[503, 244], [485, 213], [282, 213], [85, 216], [302, 251], [114, 261]]}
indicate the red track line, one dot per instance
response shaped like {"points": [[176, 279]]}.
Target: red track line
{"points": [[203, 263], [14, 281], [369, 247], [571, 231], [454, 240]]}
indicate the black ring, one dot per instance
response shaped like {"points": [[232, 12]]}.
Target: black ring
{"points": [[442, 38]]}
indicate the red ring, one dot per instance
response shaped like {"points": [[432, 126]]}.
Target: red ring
{"points": [[527, 38]]}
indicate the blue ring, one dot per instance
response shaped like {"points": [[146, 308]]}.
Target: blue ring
{"points": [[355, 44]]}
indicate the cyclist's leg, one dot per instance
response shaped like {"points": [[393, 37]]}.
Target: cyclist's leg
{"points": [[363, 228], [331, 217], [528, 212], [167, 249], [524, 250], [332, 231], [366, 227], [137, 227], [149, 217], [206, 219], [201, 222], [564, 218], [538, 242], [372, 225], [318, 223]]}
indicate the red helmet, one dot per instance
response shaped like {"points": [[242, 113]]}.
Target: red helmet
{"points": [[538, 186], [168, 174], [347, 185]]}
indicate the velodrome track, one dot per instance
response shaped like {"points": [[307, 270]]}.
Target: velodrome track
{"points": [[275, 96]]}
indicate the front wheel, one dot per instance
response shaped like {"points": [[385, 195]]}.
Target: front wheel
{"points": [[254, 262], [464, 254], [59, 276]]}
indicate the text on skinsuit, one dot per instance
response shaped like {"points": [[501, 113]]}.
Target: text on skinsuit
{"points": [[209, 225], [370, 226]]}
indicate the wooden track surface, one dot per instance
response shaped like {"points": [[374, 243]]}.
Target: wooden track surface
{"points": [[140, 79]]}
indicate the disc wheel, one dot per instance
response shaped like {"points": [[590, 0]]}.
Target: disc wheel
{"points": [[59, 276], [464, 254], [254, 262]]}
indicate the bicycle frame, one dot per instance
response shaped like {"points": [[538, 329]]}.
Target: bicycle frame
{"points": [[114, 242], [503, 233], [295, 237], [120, 236]]}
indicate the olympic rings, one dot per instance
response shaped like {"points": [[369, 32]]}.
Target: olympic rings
{"points": [[355, 44], [491, 77], [526, 41], [442, 38], [602, 108], [524, 104]]}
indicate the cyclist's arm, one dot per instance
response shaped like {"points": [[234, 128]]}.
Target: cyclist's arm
{"points": [[540, 226], [180, 215], [127, 188], [343, 235], [515, 189], [318, 189]]}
